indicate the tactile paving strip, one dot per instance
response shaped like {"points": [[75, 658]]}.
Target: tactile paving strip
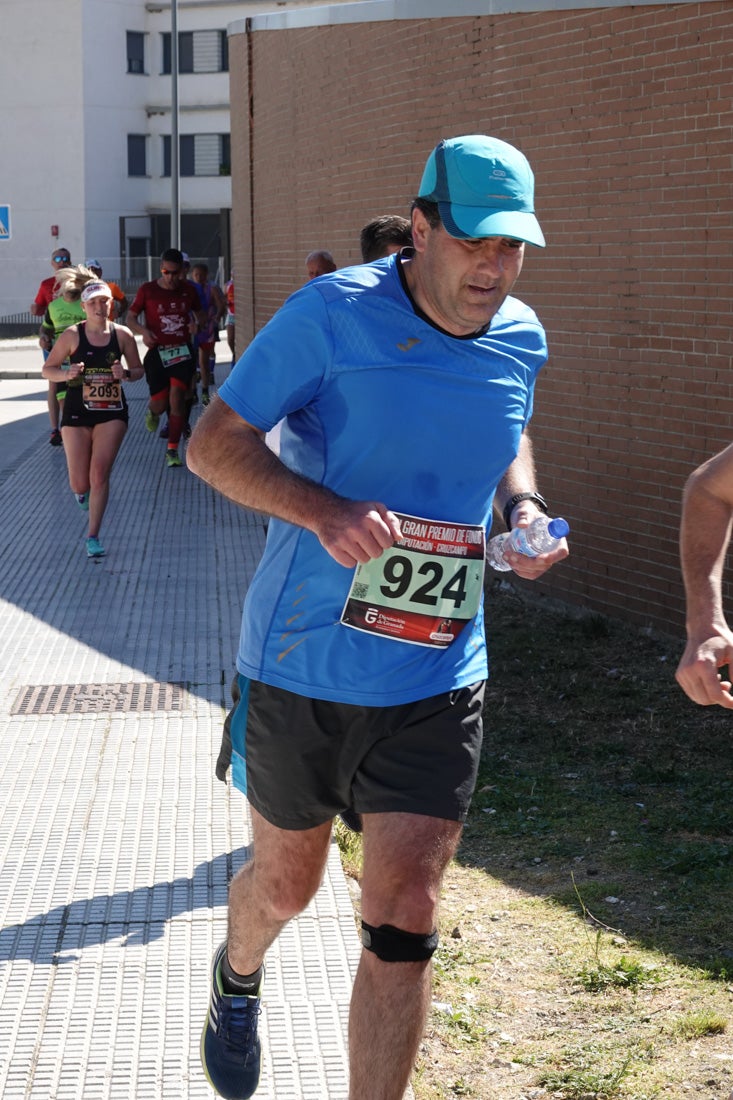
{"points": [[117, 843]]}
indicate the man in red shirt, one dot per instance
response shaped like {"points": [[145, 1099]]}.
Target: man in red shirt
{"points": [[60, 257], [171, 306]]}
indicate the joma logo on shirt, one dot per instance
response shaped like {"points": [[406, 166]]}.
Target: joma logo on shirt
{"points": [[408, 344]]}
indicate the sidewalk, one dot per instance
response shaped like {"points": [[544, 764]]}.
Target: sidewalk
{"points": [[20, 358], [116, 841]]}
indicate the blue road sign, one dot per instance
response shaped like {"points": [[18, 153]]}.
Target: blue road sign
{"points": [[4, 223]]}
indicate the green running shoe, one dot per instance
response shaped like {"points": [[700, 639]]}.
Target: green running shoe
{"points": [[95, 548]]}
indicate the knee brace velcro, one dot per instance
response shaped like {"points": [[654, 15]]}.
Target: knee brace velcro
{"points": [[391, 944]]}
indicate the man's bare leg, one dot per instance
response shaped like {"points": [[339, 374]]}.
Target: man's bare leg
{"points": [[404, 859], [53, 406], [273, 887]]}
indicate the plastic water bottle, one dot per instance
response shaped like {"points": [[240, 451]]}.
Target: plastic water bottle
{"points": [[541, 536]]}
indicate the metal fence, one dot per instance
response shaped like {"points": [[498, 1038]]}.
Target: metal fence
{"points": [[20, 279]]}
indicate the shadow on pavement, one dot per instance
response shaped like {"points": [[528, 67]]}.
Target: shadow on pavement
{"points": [[137, 916]]}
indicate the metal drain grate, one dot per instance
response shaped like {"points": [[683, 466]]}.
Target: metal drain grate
{"points": [[100, 698]]}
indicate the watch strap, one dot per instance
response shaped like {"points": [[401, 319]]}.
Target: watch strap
{"points": [[517, 499]]}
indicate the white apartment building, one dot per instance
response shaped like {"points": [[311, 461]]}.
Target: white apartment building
{"points": [[85, 134]]}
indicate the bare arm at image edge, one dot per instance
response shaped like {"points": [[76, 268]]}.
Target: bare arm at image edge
{"points": [[705, 531]]}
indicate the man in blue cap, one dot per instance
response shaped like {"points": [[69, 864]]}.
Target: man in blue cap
{"points": [[406, 387]]}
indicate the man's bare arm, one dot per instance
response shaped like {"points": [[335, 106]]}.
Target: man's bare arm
{"points": [[705, 531], [232, 456], [138, 329], [520, 477]]}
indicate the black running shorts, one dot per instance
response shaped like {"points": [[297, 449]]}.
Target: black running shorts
{"points": [[301, 761], [159, 377]]}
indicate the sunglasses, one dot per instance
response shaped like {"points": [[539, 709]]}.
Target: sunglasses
{"points": [[62, 259], [167, 271]]}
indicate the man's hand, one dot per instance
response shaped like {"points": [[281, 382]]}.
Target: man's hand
{"points": [[697, 673], [354, 532], [139, 330], [532, 568]]}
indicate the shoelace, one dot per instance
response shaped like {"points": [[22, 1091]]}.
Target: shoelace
{"points": [[238, 1025]]}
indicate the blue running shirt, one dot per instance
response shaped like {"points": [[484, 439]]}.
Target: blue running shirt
{"points": [[379, 404]]}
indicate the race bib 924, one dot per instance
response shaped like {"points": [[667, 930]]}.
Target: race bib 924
{"points": [[425, 588]]}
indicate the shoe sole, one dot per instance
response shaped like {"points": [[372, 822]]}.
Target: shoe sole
{"points": [[202, 1055]]}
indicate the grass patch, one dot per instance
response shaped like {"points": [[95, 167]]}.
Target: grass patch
{"points": [[350, 848], [624, 974], [586, 1082], [696, 1025], [587, 906]]}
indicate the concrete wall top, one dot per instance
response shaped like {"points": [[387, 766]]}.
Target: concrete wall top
{"points": [[374, 11]]}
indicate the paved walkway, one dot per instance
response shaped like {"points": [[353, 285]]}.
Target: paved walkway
{"points": [[116, 841]]}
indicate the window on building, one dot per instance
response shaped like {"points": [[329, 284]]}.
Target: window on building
{"points": [[135, 52], [199, 155], [137, 247], [198, 52], [187, 155], [225, 167], [136, 155]]}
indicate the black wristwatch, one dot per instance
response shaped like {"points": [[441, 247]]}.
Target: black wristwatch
{"points": [[517, 499]]}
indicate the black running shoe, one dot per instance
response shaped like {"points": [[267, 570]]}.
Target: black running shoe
{"points": [[230, 1047]]}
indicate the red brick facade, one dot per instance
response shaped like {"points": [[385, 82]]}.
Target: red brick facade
{"points": [[625, 114]]}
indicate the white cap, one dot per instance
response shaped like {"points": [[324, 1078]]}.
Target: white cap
{"points": [[95, 290]]}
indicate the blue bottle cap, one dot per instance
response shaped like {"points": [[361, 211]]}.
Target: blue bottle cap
{"points": [[558, 528]]}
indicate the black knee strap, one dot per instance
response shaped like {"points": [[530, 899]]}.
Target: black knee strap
{"points": [[391, 944]]}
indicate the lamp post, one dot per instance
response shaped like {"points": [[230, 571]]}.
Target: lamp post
{"points": [[175, 141]]}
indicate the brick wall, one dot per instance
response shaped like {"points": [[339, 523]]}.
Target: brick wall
{"points": [[625, 115]]}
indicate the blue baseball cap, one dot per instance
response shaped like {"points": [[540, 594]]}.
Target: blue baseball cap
{"points": [[484, 187]]}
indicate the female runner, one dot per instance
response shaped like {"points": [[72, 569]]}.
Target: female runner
{"points": [[87, 357]]}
